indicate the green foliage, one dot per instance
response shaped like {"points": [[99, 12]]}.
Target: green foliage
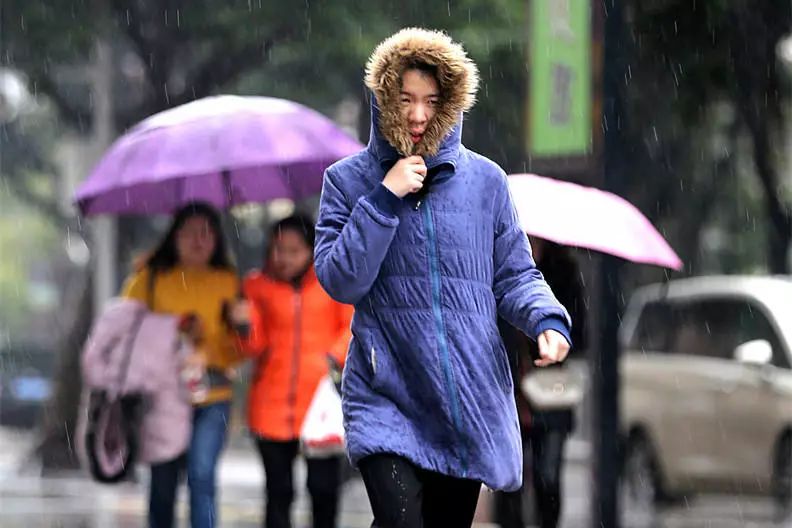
{"points": [[27, 241]]}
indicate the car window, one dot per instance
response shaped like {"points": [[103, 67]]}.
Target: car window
{"points": [[753, 324], [653, 331], [716, 327], [697, 331], [15, 360]]}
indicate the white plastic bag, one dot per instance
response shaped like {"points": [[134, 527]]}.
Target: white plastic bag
{"points": [[322, 434]]}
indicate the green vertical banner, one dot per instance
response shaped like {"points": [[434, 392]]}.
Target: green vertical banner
{"points": [[560, 78]]}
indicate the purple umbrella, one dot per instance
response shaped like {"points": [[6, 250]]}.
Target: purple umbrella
{"points": [[575, 215], [224, 150]]}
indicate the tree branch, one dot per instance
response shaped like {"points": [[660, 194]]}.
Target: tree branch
{"points": [[224, 67], [70, 113], [127, 11], [46, 206], [22, 157], [156, 49], [216, 71]]}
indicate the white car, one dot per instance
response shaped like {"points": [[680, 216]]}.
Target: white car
{"points": [[707, 389]]}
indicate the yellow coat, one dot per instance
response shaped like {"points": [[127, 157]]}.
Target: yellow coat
{"points": [[181, 291]]}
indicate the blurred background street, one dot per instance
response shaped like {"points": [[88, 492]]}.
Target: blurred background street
{"points": [[678, 110]]}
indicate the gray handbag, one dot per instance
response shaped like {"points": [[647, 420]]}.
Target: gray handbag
{"points": [[555, 388]]}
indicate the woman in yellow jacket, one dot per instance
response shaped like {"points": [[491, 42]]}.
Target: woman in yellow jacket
{"points": [[296, 330], [190, 274]]}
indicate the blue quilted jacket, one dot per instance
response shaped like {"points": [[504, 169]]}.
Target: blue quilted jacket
{"points": [[427, 376]]}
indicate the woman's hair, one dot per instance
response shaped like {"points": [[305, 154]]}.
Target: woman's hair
{"points": [[300, 223], [165, 256], [423, 67]]}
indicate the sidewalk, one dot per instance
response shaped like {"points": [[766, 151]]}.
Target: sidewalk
{"points": [[73, 500]]}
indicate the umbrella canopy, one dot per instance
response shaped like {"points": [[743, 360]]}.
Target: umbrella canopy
{"points": [[224, 150], [575, 215]]}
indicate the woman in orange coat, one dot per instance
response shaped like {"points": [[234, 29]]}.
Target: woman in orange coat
{"points": [[296, 329]]}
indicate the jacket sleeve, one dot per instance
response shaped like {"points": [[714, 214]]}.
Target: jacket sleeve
{"points": [[524, 298], [235, 346], [257, 341], [352, 239], [341, 345]]}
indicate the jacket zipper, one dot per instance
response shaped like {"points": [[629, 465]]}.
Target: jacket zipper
{"points": [[440, 329], [292, 399]]}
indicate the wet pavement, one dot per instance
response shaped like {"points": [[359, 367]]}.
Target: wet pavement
{"points": [[73, 501]]}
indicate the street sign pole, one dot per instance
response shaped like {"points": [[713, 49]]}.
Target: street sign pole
{"points": [[604, 367]]}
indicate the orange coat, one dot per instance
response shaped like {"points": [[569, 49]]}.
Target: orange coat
{"points": [[293, 329]]}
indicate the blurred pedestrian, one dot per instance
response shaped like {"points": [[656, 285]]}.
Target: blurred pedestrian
{"points": [[422, 236], [545, 426], [297, 332], [191, 275]]}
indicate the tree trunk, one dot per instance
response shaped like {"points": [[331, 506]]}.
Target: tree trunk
{"points": [[757, 93], [56, 448], [57, 445], [779, 236]]}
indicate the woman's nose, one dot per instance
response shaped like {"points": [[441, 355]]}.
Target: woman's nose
{"points": [[418, 114]]}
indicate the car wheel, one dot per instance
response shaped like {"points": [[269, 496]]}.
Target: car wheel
{"points": [[640, 485], [782, 478]]}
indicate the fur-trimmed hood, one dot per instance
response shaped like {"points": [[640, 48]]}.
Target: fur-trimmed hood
{"points": [[457, 77]]}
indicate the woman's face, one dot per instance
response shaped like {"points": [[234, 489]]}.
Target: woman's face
{"points": [[290, 255], [195, 242]]}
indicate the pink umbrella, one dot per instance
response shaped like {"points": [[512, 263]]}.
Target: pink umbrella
{"points": [[224, 150], [575, 215]]}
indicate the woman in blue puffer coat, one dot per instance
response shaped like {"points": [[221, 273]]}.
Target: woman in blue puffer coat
{"points": [[420, 234]]}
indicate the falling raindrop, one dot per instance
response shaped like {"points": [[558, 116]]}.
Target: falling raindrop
{"points": [[68, 437]]}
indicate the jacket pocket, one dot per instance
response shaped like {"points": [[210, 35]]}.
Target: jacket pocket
{"points": [[363, 359], [384, 377], [374, 357]]}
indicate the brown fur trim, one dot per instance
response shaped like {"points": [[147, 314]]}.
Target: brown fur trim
{"points": [[457, 77]]}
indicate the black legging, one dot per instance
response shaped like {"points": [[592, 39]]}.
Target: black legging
{"points": [[547, 448], [405, 496], [324, 481], [547, 451]]}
